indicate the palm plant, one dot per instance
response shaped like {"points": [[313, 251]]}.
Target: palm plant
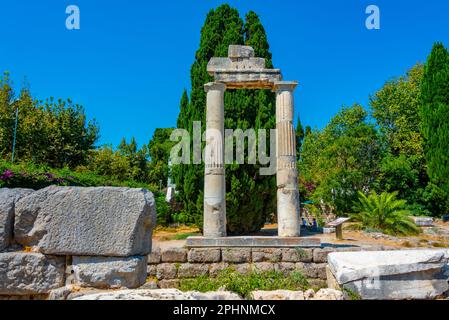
{"points": [[384, 212]]}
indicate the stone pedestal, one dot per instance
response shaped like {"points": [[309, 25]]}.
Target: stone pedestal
{"points": [[214, 178], [287, 175]]}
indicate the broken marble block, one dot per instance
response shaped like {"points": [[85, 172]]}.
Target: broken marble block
{"points": [[103, 221], [109, 272], [8, 199], [390, 275], [24, 273]]}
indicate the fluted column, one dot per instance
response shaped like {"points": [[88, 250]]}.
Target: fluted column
{"points": [[214, 177], [287, 174]]}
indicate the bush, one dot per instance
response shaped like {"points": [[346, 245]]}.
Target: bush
{"points": [[384, 212], [244, 284]]}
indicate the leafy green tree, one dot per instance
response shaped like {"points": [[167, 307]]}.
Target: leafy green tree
{"points": [[384, 212], [300, 134], [159, 147], [243, 109], [435, 115], [341, 159], [55, 133]]}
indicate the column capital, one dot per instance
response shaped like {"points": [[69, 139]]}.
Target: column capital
{"points": [[284, 85], [214, 86]]}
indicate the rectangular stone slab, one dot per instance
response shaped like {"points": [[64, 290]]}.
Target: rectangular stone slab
{"points": [[259, 241], [102, 221], [110, 272], [30, 273]]}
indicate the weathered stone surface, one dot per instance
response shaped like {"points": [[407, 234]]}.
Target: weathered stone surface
{"points": [[285, 267], [110, 272], [30, 273], [405, 274], [242, 268], [152, 270], [160, 294], [237, 255], [60, 293], [423, 221], [104, 221], [320, 254], [169, 284], [155, 256], [192, 270], [174, 255], [266, 255], [216, 268], [253, 242], [329, 294], [263, 267], [202, 255], [297, 255], [277, 295], [8, 199], [312, 270], [166, 271]]}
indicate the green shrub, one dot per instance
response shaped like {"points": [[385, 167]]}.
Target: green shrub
{"points": [[384, 212], [244, 284]]}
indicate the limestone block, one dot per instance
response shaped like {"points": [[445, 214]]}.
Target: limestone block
{"points": [[166, 271], [423, 221], [320, 254], [400, 274], [297, 255], [277, 295], [243, 268], [159, 294], [169, 283], [30, 273], [203, 255], [103, 221], [152, 270], [238, 51], [266, 255], [174, 255], [237, 255], [110, 272], [260, 267], [155, 256], [192, 270], [216, 268], [8, 199], [285, 267], [329, 294], [312, 270]]}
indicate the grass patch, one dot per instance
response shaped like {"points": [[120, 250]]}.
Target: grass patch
{"points": [[183, 236], [244, 284]]}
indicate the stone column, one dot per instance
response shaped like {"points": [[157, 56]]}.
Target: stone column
{"points": [[288, 210], [214, 177]]}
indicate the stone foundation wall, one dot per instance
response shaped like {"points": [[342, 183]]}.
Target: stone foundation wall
{"points": [[169, 265], [61, 236]]}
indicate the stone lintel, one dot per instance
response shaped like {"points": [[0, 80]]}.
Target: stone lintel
{"points": [[284, 85], [258, 241]]}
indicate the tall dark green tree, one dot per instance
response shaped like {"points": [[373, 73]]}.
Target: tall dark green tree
{"points": [[435, 112], [435, 115], [243, 109], [300, 134]]}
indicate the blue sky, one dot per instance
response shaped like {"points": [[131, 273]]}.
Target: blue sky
{"points": [[130, 61]]}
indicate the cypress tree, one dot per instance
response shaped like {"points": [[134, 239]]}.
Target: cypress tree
{"points": [[244, 109], [435, 115]]}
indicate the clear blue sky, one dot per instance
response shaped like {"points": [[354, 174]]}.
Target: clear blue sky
{"points": [[131, 60]]}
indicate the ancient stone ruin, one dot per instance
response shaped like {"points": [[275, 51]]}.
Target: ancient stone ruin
{"points": [[88, 237], [241, 70]]}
